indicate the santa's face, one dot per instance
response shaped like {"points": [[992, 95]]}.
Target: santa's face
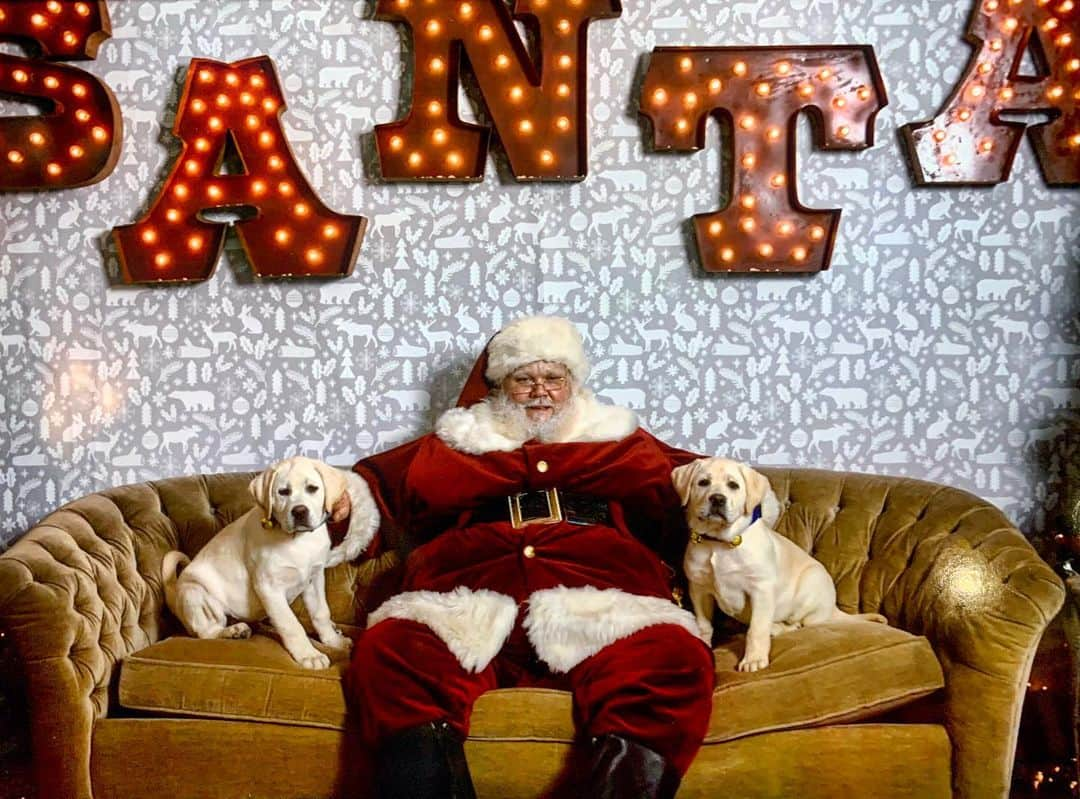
{"points": [[542, 388]]}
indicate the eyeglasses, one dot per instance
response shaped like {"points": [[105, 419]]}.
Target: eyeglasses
{"points": [[525, 385]]}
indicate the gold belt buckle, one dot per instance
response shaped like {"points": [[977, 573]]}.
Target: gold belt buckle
{"points": [[554, 510]]}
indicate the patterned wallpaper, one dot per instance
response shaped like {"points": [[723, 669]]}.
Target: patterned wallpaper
{"points": [[942, 344]]}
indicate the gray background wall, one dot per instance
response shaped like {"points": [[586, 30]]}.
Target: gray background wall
{"points": [[942, 344]]}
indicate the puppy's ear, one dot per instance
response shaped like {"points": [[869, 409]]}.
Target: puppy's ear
{"points": [[261, 487], [334, 484], [682, 477], [757, 486]]}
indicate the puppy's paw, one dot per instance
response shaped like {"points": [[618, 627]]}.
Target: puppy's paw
{"points": [[238, 630], [339, 641], [314, 660], [753, 663]]}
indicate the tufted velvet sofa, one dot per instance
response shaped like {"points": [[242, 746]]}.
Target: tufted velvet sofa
{"points": [[122, 704]]}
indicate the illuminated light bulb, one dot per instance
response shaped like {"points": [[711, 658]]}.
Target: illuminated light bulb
{"points": [[682, 125], [162, 259], [313, 255], [986, 145], [785, 228], [206, 75], [839, 102], [1074, 140], [563, 26], [38, 20], [213, 191], [747, 224], [778, 180], [82, 9], [222, 101], [1055, 92], [3, 16], [282, 235], [762, 89], [20, 76], [565, 61], [659, 97], [436, 66], [485, 33], [939, 135], [454, 159], [995, 45], [773, 133], [247, 98], [747, 201], [173, 215], [1051, 24], [686, 63], [817, 233], [214, 123], [403, 3], [1064, 40], [525, 126], [465, 10], [258, 187], [75, 151], [1010, 24], [53, 168], [266, 138], [765, 250], [502, 61], [232, 79], [990, 6], [964, 114], [285, 188], [716, 85], [747, 122], [192, 167], [1006, 93], [51, 82], [258, 81], [99, 134], [748, 160], [799, 253], [950, 160], [716, 228], [82, 115], [984, 68], [825, 74], [415, 159], [79, 90], [275, 162], [516, 93], [547, 157], [690, 100], [302, 210], [739, 68], [977, 91], [330, 231], [439, 136], [198, 106], [149, 236], [252, 121], [70, 39], [195, 243], [269, 105], [202, 144], [863, 93], [15, 157], [563, 123], [727, 255], [563, 90], [1066, 7], [783, 67], [37, 139], [805, 90], [181, 191], [433, 27], [396, 143], [434, 108]]}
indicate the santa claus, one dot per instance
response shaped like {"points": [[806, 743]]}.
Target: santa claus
{"points": [[535, 518]]}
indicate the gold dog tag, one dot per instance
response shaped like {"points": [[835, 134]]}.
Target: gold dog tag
{"points": [[268, 524], [736, 541]]}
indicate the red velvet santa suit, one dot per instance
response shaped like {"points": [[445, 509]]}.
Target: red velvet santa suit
{"points": [[584, 607]]}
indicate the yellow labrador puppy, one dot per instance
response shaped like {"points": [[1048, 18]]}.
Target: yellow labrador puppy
{"points": [[734, 557], [255, 566]]}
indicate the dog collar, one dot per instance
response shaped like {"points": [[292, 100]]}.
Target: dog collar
{"points": [[731, 543]]}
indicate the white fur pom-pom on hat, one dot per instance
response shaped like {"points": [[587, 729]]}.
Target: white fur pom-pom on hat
{"points": [[536, 338]]}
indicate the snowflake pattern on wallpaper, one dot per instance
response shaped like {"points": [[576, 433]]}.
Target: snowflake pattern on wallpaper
{"points": [[942, 344]]}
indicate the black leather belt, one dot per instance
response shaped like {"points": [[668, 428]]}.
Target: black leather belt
{"points": [[544, 506]]}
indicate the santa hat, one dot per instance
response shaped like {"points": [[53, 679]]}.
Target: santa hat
{"points": [[536, 338]]}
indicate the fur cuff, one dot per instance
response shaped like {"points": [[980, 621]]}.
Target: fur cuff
{"points": [[568, 625], [474, 625], [363, 521]]}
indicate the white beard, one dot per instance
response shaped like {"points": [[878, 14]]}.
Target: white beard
{"points": [[515, 418]]}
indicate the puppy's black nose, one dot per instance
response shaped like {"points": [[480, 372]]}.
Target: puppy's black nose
{"points": [[717, 500], [300, 513]]}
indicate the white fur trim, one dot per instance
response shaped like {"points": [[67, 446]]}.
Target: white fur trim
{"points": [[473, 624], [363, 521], [770, 508], [536, 338], [476, 430], [568, 625]]}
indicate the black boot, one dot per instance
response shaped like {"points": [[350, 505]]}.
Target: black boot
{"points": [[425, 762], [622, 769]]}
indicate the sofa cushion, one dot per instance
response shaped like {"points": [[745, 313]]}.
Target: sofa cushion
{"points": [[252, 680], [833, 673]]}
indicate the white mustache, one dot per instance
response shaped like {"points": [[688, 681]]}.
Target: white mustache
{"points": [[540, 404]]}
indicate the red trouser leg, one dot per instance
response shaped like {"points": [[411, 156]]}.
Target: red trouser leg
{"points": [[653, 687], [402, 675]]}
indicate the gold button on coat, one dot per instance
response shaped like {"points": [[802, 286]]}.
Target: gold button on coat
{"points": [[542, 466], [529, 551]]}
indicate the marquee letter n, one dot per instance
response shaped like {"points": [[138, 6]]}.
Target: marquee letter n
{"points": [[537, 108]]}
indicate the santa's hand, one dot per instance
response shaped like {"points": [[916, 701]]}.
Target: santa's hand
{"points": [[342, 508]]}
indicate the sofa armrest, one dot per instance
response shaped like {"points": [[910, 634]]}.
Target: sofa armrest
{"points": [[73, 603]]}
